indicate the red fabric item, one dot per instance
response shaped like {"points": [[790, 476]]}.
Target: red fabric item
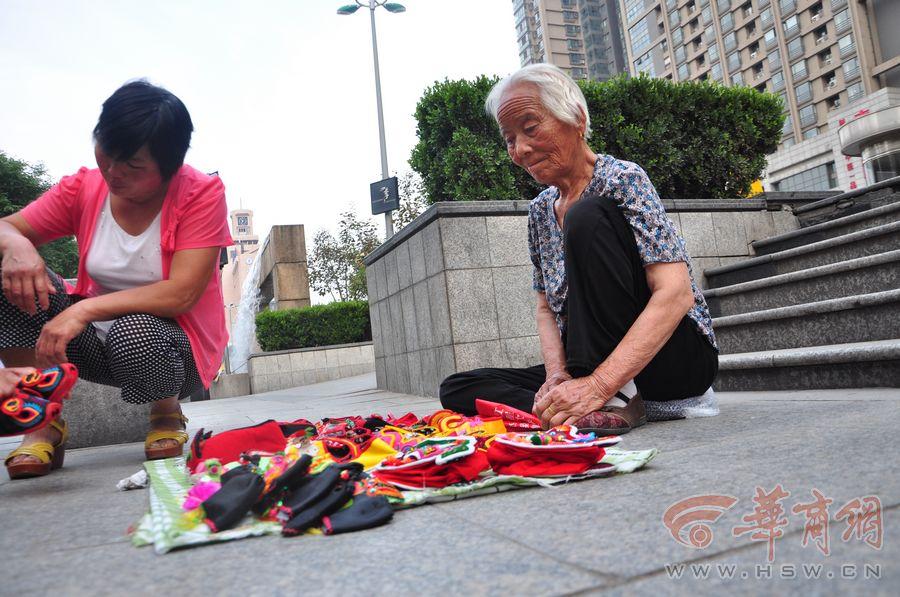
{"points": [[538, 461], [407, 420], [435, 475], [229, 445], [513, 418]]}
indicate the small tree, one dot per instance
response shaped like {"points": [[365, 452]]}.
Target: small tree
{"points": [[412, 200], [336, 263], [20, 184], [694, 139]]}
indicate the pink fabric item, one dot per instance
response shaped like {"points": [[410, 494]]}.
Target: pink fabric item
{"points": [[194, 216]]}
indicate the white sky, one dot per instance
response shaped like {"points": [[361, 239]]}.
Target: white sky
{"points": [[281, 92]]}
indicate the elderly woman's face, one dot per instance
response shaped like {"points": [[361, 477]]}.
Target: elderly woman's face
{"points": [[546, 147], [136, 179]]}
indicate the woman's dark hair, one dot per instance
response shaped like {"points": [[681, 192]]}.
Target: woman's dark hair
{"points": [[139, 114]]}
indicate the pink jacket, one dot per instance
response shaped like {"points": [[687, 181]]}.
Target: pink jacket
{"points": [[194, 215]]}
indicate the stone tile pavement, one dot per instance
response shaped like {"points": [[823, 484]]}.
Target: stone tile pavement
{"points": [[65, 533]]}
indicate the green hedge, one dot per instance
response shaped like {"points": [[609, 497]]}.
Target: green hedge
{"points": [[320, 325], [694, 139]]}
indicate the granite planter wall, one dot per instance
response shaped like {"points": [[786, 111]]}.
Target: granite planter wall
{"points": [[279, 370], [452, 290]]}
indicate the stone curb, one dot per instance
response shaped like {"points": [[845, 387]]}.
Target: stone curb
{"points": [[806, 274], [880, 350], [760, 245], [845, 239], [827, 306]]}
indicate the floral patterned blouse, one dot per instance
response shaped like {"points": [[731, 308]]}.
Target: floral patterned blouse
{"points": [[657, 241]]}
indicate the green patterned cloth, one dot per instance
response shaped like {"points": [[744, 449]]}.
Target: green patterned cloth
{"points": [[166, 527]]}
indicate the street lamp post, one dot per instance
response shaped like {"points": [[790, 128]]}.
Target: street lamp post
{"points": [[349, 9]]}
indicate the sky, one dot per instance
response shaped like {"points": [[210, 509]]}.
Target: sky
{"points": [[281, 93]]}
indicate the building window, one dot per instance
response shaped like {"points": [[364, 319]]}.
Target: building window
{"points": [[734, 62], [855, 91], [795, 48], [774, 58], [576, 59], [883, 167], [820, 178], [787, 6], [683, 72], [798, 70], [766, 17], [829, 82], [633, 8], [677, 36], [640, 36], [846, 45], [747, 9], [574, 44], [730, 41], [680, 55], [770, 38], [644, 64], [573, 30], [821, 35], [833, 103], [791, 26], [727, 22], [713, 52], [851, 68], [807, 115], [737, 79], [803, 92], [842, 21], [716, 71], [579, 73], [777, 81], [788, 127], [673, 19], [707, 15], [825, 59]]}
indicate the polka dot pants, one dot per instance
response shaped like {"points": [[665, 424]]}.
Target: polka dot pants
{"points": [[148, 357]]}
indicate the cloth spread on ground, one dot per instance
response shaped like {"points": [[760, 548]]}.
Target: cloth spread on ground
{"points": [[348, 474]]}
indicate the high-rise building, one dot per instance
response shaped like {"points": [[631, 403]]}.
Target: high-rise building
{"points": [[582, 37], [831, 61], [240, 259]]}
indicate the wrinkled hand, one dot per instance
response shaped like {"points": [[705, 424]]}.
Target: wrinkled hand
{"points": [[56, 335], [10, 377], [553, 380], [25, 277], [569, 401]]}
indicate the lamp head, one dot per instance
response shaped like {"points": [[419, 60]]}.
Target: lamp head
{"points": [[394, 7], [348, 9]]}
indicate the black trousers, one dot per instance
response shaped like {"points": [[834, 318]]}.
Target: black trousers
{"points": [[607, 292], [148, 357]]}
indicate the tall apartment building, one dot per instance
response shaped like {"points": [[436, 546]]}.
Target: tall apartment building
{"points": [[583, 37], [831, 61]]}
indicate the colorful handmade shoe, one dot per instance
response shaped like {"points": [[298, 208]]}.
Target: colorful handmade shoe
{"points": [[615, 420], [51, 456], [157, 453], [37, 400]]}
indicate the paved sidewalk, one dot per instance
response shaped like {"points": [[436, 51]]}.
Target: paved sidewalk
{"points": [[65, 533]]}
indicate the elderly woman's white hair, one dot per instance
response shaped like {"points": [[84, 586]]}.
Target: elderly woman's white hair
{"points": [[558, 93]]}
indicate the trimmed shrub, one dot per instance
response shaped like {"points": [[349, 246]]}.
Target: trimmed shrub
{"points": [[319, 325], [694, 139]]}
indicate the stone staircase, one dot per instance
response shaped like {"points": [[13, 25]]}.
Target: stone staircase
{"points": [[817, 307]]}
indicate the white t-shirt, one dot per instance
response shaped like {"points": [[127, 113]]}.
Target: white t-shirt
{"points": [[118, 261]]}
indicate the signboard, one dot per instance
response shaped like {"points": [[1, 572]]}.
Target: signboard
{"points": [[385, 195]]}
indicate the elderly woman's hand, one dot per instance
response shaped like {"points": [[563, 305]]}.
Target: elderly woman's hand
{"points": [[571, 400], [553, 380], [10, 377]]}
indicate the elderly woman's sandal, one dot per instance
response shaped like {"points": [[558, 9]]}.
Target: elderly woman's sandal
{"points": [[50, 456], [615, 420], [178, 435]]}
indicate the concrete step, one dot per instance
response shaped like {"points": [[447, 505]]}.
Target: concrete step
{"points": [[860, 318], [870, 241], [874, 364], [870, 218], [865, 275]]}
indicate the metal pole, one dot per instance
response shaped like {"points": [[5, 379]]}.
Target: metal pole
{"points": [[388, 219]]}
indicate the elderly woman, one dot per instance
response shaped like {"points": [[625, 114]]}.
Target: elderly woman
{"points": [[146, 314], [619, 316]]}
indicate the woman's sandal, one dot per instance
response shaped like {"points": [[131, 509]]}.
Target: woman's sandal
{"points": [[614, 420], [51, 456], [156, 435]]}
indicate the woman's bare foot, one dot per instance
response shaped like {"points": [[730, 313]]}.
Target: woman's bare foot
{"points": [[47, 434], [168, 406]]}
